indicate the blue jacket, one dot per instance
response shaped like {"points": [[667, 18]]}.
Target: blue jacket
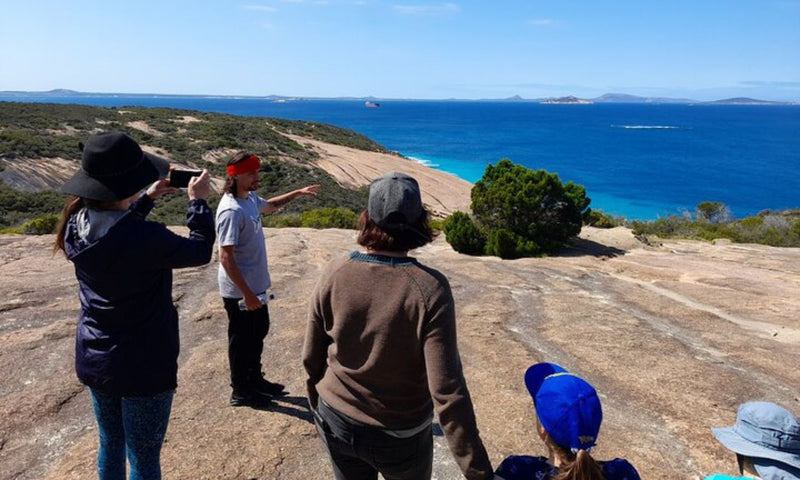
{"points": [[127, 336], [524, 467]]}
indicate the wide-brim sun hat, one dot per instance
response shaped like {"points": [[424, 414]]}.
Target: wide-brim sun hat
{"points": [[567, 406], [764, 430], [114, 167]]}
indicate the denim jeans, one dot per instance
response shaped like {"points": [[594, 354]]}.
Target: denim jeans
{"points": [[132, 426], [359, 452]]}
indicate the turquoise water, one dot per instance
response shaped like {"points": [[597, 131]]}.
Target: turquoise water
{"points": [[637, 161]]}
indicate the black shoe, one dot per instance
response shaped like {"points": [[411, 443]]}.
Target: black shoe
{"points": [[264, 386], [250, 398]]}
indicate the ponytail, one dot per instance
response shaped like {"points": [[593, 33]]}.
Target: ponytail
{"points": [[574, 466], [580, 467]]}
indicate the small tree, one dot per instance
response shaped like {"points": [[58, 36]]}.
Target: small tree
{"points": [[714, 212], [538, 213]]}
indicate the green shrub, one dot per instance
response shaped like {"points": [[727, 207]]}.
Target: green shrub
{"points": [[462, 234], [41, 225], [506, 244], [329, 218], [537, 212], [436, 224], [779, 229], [795, 231], [600, 219], [282, 221]]}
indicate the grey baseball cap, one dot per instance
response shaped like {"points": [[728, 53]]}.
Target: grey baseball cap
{"points": [[395, 202]]}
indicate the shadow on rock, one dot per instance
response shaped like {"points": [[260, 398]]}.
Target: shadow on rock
{"points": [[293, 406], [581, 247]]}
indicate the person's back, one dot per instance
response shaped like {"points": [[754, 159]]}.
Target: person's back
{"points": [[384, 332], [525, 467], [381, 350]]}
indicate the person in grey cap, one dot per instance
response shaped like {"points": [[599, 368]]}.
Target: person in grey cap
{"points": [[766, 440], [381, 353], [126, 342]]}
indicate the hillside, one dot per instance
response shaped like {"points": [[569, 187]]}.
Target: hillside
{"points": [[39, 150]]}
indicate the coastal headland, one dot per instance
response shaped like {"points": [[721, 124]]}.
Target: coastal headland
{"points": [[674, 334]]}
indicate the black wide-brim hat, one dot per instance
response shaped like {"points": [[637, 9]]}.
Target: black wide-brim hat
{"points": [[114, 167]]}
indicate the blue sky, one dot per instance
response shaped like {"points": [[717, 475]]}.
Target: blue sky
{"points": [[699, 49]]}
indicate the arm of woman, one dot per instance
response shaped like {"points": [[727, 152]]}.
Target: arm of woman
{"points": [[168, 249], [315, 347], [449, 390]]}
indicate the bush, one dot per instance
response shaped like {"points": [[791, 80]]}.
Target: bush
{"points": [[779, 229], [329, 218], [506, 244], [463, 235], [535, 211], [282, 221], [41, 225], [600, 219]]}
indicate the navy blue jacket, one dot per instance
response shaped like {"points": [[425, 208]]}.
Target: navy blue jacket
{"points": [[127, 336]]}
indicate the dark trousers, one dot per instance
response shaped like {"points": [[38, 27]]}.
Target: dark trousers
{"points": [[359, 452], [246, 333]]}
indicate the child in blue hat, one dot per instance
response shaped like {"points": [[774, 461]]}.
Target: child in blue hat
{"points": [[569, 416]]}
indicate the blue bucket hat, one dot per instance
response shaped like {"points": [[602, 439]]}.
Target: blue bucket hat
{"points": [[567, 406], [770, 435]]}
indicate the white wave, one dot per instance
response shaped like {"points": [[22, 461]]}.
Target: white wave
{"points": [[646, 127], [424, 162]]}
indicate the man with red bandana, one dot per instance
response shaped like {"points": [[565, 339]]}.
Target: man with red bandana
{"points": [[244, 277]]}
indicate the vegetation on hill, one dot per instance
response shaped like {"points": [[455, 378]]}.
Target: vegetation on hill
{"points": [[712, 220], [518, 212], [33, 131]]}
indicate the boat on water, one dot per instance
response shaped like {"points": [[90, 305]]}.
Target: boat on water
{"points": [[372, 104]]}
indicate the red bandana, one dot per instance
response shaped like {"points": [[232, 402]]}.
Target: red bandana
{"points": [[249, 164]]}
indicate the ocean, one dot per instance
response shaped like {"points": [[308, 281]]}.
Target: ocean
{"points": [[639, 161]]}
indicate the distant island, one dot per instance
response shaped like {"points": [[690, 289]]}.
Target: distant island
{"points": [[567, 101], [370, 100]]}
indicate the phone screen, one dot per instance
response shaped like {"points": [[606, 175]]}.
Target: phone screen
{"points": [[180, 178]]}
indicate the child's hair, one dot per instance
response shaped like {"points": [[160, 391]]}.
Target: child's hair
{"points": [[574, 466]]}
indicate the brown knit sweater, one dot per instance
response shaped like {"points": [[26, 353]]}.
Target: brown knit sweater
{"points": [[381, 348]]}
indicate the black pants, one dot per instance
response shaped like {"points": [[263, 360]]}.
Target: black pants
{"points": [[246, 333], [359, 452]]}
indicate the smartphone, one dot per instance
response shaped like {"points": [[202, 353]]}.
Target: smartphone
{"points": [[180, 178]]}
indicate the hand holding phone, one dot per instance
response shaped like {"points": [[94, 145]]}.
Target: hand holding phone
{"points": [[180, 178]]}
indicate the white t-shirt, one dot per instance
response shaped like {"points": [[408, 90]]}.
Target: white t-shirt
{"points": [[239, 224]]}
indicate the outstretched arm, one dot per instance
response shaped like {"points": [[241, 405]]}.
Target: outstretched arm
{"points": [[276, 203]]}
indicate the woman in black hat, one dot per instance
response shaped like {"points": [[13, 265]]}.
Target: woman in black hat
{"points": [[126, 347]]}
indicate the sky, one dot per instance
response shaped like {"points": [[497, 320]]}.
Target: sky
{"points": [[466, 49]]}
